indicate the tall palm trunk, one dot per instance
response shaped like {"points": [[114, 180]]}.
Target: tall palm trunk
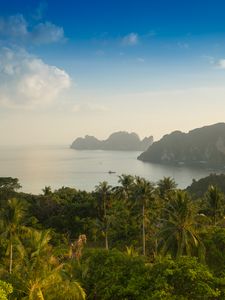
{"points": [[214, 218], [106, 227], [143, 227], [106, 241], [40, 295], [11, 257], [156, 248]]}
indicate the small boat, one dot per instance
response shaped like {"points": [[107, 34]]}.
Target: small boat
{"points": [[111, 172]]}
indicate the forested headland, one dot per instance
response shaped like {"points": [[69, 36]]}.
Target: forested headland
{"points": [[138, 240], [201, 147]]}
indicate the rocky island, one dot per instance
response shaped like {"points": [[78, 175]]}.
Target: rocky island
{"points": [[120, 141], [201, 147]]}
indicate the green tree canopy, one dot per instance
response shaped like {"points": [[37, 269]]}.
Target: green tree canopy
{"points": [[5, 290], [179, 227]]}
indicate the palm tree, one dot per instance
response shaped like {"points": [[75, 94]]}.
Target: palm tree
{"points": [[40, 274], [143, 192], [5, 290], [103, 190], [179, 227], [47, 191], [130, 251], [12, 225], [215, 201], [166, 185], [126, 184]]}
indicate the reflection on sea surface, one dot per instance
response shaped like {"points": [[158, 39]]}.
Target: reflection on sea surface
{"points": [[58, 166]]}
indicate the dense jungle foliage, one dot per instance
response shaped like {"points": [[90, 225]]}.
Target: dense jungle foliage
{"points": [[136, 241]]}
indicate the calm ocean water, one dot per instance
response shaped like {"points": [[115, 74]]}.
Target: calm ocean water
{"points": [[57, 166]]}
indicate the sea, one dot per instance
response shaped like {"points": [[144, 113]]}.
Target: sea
{"points": [[57, 166]]}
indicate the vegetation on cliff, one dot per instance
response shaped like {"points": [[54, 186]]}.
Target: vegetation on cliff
{"points": [[200, 147]]}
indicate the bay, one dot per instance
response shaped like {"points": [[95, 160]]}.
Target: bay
{"points": [[57, 166]]}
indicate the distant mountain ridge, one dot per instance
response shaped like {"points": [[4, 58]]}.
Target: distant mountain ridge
{"points": [[121, 141], [202, 147]]}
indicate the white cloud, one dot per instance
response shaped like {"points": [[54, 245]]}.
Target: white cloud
{"points": [[210, 59], [96, 107], [182, 45], [87, 107], [131, 39], [221, 63], [76, 108], [100, 52], [140, 59], [151, 33], [15, 28], [40, 10], [45, 33], [27, 82]]}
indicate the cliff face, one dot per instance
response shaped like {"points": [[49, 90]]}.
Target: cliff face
{"points": [[122, 141], [89, 143], [202, 146]]}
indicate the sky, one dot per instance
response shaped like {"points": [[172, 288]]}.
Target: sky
{"points": [[71, 68]]}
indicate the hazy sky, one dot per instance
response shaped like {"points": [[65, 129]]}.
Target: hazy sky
{"points": [[70, 68]]}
